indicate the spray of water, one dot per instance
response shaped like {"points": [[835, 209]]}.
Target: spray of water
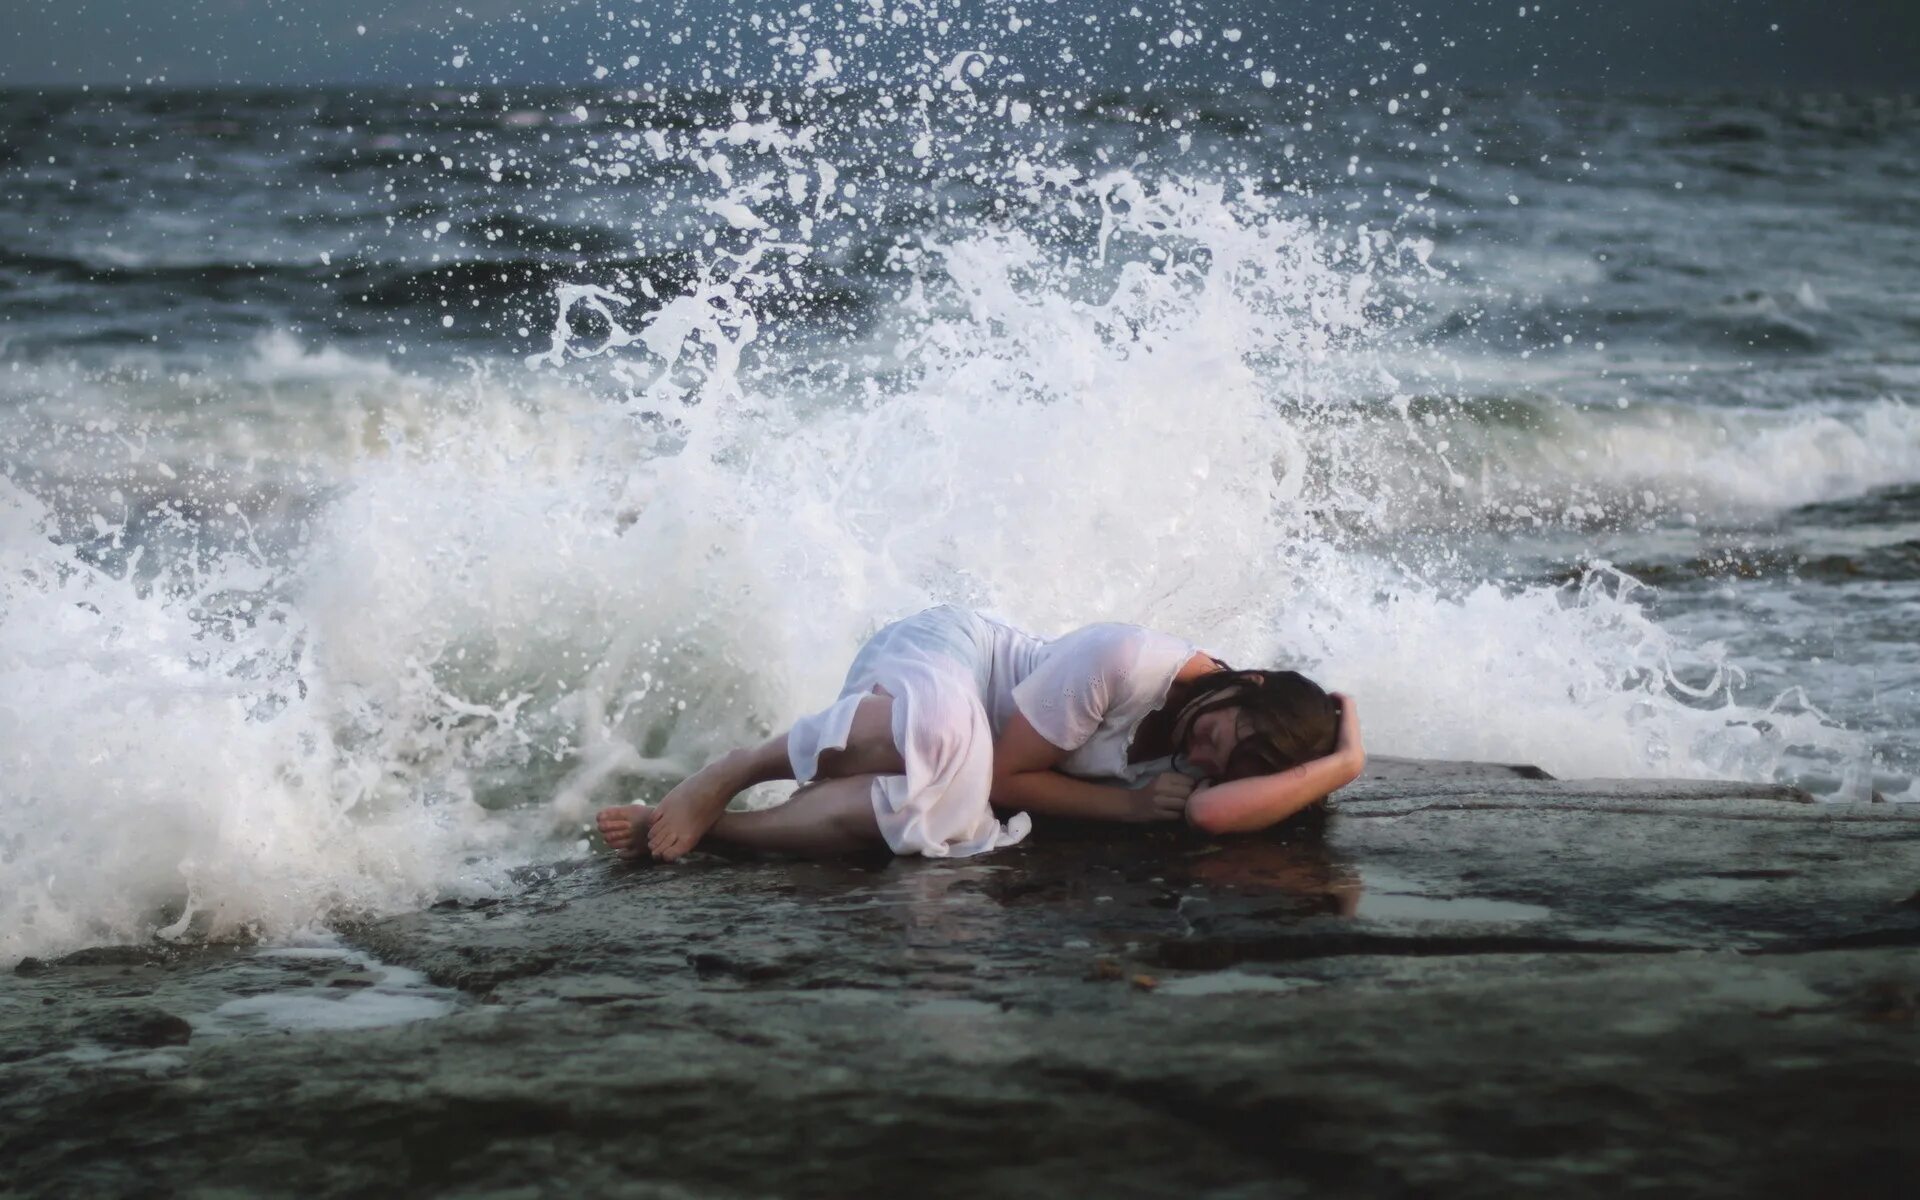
{"points": [[1104, 387]]}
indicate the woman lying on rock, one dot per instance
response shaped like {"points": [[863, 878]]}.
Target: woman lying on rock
{"points": [[948, 715]]}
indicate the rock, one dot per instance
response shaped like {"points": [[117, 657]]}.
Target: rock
{"points": [[134, 1027], [114, 956], [1458, 980], [352, 981], [1385, 768]]}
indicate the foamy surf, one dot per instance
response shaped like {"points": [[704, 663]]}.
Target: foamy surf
{"points": [[512, 609], [306, 631]]}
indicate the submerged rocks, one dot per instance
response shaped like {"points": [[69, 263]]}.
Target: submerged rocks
{"points": [[135, 1026], [1459, 981]]}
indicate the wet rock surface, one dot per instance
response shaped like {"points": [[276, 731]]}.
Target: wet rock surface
{"points": [[1463, 981]]}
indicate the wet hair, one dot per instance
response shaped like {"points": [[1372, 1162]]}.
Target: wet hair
{"points": [[1285, 719]]}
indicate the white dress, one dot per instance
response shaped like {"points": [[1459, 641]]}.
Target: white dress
{"points": [[956, 679]]}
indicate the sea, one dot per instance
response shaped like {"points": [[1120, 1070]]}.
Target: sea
{"points": [[389, 476]]}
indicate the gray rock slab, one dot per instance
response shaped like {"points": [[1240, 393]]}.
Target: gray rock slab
{"points": [[1461, 981], [1383, 767]]}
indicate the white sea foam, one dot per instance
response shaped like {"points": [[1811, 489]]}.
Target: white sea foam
{"points": [[151, 787], [384, 996], [1516, 461]]}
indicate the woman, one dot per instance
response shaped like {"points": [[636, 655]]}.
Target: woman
{"points": [[948, 715]]}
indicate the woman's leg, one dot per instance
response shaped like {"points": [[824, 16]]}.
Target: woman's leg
{"points": [[834, 816], [628, 827], [697, 802]]}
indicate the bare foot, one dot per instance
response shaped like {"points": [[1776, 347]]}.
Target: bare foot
{"points": [[687, 812], [625, 828]]}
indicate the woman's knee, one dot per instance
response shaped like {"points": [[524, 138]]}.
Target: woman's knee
{"points": [[870, 748], [953, 738]]}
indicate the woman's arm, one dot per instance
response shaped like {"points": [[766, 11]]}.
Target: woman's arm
{"points": [[1024, 780], [1263, 800]]}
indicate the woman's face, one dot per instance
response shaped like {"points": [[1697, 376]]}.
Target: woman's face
{"points": [[1211, 740]]}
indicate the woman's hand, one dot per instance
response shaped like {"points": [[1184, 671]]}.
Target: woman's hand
{"points": [[1164, 798], [1347, 746]]}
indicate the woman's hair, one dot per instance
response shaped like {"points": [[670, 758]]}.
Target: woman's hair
{"points": [[1285, 718]]}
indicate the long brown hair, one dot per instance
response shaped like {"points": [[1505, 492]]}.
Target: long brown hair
{"points": [[1285, 719]]}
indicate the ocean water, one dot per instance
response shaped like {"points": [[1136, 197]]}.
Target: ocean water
{"points": [[390, 477]]}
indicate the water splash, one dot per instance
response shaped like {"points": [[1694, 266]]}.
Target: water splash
{"points": [[398, 632]]}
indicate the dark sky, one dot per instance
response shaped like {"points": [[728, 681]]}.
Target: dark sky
{"points": [[1613, 44]]}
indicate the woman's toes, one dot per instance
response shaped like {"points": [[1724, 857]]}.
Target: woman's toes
{"points": [[621, 825]]}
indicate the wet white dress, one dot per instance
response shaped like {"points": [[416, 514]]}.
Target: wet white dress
{"points": [[956, 678]]}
